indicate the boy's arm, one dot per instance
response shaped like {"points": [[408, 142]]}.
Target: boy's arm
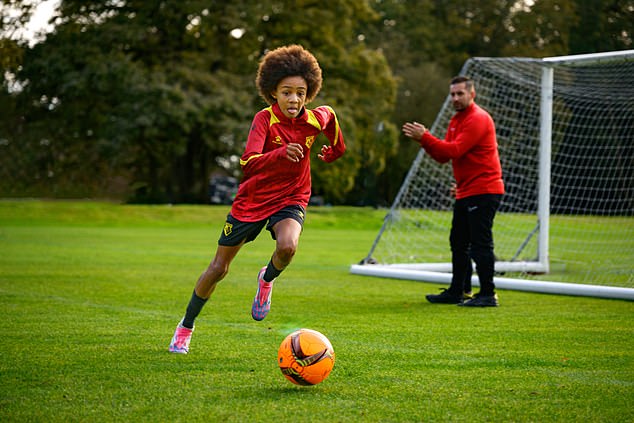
{"points": [[254, 159], [332, 131]]}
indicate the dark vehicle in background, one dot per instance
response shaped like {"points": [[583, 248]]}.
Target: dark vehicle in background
{"points": [[222, 189]]}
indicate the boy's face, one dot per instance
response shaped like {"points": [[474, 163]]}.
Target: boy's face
{"points": [[291, 95]]}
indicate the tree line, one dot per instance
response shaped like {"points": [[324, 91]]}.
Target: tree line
{"points": [[144, 101]]}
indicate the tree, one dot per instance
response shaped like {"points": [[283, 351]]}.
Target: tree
{"points": [[161, 93], [541, 30], [602, 25], [147, 99], [409, 37]]}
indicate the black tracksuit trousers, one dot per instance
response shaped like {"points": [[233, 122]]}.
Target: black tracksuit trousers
{"points": [[471, 237]]}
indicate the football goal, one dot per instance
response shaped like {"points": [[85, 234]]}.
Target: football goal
{"points": [[565, 130]]}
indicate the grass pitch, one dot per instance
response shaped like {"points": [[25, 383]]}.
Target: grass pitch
{"points": [[91, 292]]}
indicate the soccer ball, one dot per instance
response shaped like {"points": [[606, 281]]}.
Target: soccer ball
{"points": [[306, 357]]}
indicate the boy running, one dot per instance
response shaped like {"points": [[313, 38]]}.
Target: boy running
{"points": [[276, 184]]}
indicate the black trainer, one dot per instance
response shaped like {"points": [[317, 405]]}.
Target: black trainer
{"points": [[480, 300], [445, 297]]}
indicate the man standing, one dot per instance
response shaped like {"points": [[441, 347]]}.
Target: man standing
{"points": [[471, 145]]}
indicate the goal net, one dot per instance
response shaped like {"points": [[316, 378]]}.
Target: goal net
{"points": [[565, 130]]}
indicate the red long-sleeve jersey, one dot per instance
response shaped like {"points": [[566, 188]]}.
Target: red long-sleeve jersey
{"points": [[270, 181], [471, 145]]}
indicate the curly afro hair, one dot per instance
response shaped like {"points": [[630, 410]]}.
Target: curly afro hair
{"points": [[292, 60]]}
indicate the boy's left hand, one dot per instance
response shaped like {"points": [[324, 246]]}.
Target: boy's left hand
{"points": [[326, 154]]}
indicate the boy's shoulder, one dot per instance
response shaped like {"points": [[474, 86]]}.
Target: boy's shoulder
{"points": [[267, 114], [320, 116], [324, 112], [324, 108]]}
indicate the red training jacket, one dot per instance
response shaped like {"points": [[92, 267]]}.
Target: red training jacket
{"points": [[472, 147], [270, 181]]}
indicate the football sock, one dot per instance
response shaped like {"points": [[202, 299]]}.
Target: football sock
{"points": [[271, 272], [193, 310]]}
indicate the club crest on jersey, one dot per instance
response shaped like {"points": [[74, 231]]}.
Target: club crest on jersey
{"points": [[228, 228], [310, 140], [277, 140]]}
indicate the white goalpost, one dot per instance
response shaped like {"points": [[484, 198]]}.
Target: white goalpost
{"points": [[565, 129]]}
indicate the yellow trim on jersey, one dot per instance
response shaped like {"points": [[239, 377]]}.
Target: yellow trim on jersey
{"points": [[273, 119], [244, 162], [312, 120], [337, 129]]}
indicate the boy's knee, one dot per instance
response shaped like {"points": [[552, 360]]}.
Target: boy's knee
{"points": [[286, 251], [217, 271]]}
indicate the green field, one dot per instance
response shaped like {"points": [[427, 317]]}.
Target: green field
{"points": [[91, 292]]}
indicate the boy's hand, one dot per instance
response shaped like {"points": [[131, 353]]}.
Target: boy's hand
{"points": [[294, 152], [326, 154]]}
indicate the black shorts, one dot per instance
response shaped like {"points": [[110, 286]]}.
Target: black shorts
{"points": [[236, 231]]}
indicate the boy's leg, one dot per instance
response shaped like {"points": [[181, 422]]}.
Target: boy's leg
{"points": [[205, 286], [271, 272], [194, 307], [286, 233]]}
